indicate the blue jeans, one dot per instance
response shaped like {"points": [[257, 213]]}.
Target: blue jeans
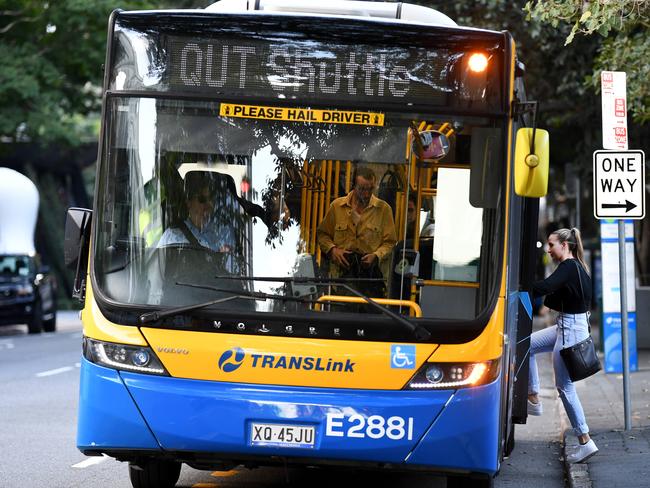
{"points": [[576, 329]]}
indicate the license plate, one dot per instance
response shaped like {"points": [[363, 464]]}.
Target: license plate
{"points": [[283, 435]]}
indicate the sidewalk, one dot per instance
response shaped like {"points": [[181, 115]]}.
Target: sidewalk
{"points": [[624, 457]]}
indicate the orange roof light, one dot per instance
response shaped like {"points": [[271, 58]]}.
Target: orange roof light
{"points": [[478, 62]]}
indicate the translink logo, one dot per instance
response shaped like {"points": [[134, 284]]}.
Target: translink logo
{"points": [[232, 359]]}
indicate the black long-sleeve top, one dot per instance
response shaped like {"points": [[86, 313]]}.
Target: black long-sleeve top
{"points": [[562, 288]]}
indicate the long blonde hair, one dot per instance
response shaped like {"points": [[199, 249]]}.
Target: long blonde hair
{"points": [[574, 240]]}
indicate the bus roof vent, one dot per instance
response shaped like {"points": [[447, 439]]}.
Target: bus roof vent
{"points": [[384, 10]]}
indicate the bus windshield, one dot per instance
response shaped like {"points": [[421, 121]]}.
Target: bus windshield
{"points": [[194, 206]]}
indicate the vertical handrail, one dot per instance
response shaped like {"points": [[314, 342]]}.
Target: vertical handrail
{"points": [[348, 176], [314, 209], [337, 176], [307, 220], [322, 188]]}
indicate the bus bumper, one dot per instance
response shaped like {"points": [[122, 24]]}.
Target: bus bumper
{"points": [[446, 430]]}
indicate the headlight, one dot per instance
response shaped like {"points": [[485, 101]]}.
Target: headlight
{"points": [[451, 376], [120, 356], [24, 290], [477, 62]]}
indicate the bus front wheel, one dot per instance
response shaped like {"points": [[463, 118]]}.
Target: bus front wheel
{"points": [[155, 474]]}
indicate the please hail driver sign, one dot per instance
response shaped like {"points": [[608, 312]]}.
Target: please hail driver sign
{"points": [[619, 184]]}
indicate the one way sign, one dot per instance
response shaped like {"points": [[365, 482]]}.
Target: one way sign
{"points": [[619, 184]]}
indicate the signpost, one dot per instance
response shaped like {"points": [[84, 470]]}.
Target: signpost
{"points": [[619, 193], [619, 178]]}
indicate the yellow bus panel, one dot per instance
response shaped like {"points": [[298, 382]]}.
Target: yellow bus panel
{"points": [[282, 360]]}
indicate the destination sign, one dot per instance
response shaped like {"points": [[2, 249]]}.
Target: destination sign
{"points": [[307, 68], [301, 114], [317, 70], [310, 62]]}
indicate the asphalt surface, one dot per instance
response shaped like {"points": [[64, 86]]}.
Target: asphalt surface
{"points": [[39, 382]]}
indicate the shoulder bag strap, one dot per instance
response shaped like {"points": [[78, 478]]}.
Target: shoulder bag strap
{"points": [[582, 293]]}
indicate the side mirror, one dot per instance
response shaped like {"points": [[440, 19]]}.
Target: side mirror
{"points": [[76, 244], [531, 166], [432, 145]]}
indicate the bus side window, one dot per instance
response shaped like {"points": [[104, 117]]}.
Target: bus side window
{"points": [[485, 172], [449, 302]]}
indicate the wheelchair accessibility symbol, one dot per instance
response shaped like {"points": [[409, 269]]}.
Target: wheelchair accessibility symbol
{"points": [[402, 356]]}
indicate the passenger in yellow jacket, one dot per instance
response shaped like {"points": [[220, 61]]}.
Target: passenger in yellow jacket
{"points": [[359, 224]]}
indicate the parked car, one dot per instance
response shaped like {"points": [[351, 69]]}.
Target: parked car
{"points": [[27, 293]]}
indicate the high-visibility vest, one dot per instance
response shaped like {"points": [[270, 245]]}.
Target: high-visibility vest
{"points": [[150, 228]]}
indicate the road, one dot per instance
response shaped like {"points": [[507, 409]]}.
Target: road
{"points": [[39, 381]]}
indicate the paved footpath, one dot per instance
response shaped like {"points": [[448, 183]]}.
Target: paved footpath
{"points": [[623, 459]]}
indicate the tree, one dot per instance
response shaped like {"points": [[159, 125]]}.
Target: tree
{"points": [[623, 45], [624, 42], [51, 55]]}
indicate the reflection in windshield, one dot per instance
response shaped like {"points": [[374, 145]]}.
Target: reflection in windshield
{"points": [[189, 196], [14, 265]]}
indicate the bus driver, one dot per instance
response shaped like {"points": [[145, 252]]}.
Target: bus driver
{"points": [[358, 232], [199, 227]]}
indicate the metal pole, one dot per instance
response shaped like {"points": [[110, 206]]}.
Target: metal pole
{"points": [[623, 289]]}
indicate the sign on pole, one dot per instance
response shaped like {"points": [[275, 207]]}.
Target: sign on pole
{"points": [[619, 193], [611, 276], [614, 103], [619, 184]]}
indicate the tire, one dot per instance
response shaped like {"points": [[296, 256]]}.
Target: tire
{"points": [[50, 325], [35, 324], [155, 474], [484, 481]]}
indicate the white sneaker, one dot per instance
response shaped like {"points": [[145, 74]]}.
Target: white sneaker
{"points": [[582, 452], [535, 408]]}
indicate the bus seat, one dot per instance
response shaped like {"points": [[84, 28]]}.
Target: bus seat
{"points": [[399, 285], [426, 258], [304, 267]]}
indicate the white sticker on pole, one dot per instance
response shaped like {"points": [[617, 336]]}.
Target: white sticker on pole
{"points": [[614, 103]]}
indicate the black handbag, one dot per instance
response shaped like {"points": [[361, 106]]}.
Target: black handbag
{"points": [[581, 359]]}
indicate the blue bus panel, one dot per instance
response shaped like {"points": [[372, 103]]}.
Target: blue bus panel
{"points": [[455, 430]]}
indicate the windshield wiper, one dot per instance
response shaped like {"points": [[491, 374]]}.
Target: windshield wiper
{"points": [[417, 330], [300, 279], [258, 295], [159, 314]]}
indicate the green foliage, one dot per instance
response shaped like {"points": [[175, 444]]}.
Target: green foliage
{"points": [[51, 55], [589, 17], [623, 41]]}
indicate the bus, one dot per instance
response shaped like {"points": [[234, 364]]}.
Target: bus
{"points": [[257, 351]]}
